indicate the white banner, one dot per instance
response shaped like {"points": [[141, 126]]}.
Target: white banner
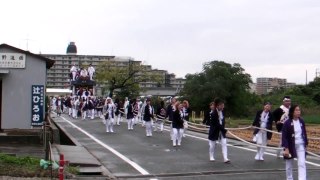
{"points": [[12, 60]]}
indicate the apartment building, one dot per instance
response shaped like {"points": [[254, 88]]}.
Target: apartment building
{"points": [[59, 75], [266, 85]]}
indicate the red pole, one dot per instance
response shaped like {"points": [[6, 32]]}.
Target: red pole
{"points": [[61, 167]]}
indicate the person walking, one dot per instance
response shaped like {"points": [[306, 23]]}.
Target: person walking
{"points": [[119, 111], [295, 142], [263, 120], [130, 115], [186, 114], [160, 116], [280, 116], [170, 111], [109, 114], [177, 124], [217, 131], [147, 117]]}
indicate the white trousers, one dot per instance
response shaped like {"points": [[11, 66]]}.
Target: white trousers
{"points": [[84, 115], [212, 146], [74, 75], [109, 125], [148, 125], [280, 146], [70, 111], [119, 119], [261, 140], [74, 113], [92, 113], [171, 132], [301, 158], [159, 125], [90, 75], [177, 136], [185, 127], [130, 123]]}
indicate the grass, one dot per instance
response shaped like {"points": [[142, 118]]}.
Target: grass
{"points": [[312, 119], [26, 167]]}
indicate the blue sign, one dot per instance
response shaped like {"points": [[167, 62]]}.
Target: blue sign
{"points": [[37, 105]]}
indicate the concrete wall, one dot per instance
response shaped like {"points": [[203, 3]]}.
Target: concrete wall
{"points": [[16, 92]]}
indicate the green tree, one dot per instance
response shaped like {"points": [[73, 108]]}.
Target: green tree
{"points": [[124, 79], [223, 80]]}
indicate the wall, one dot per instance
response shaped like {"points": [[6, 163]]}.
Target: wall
{"points": [[16, 92]]}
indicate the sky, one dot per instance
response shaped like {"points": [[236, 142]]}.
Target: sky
{"points": [[268, 38]]}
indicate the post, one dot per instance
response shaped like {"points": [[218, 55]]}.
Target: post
{"points": [[61, 167]]}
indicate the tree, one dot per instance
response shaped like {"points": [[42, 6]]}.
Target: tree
{"points": [[223, 80], [125, 78]]}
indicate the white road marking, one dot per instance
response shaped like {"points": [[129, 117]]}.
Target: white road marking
{"points": [[127, 160], [248, 149]]}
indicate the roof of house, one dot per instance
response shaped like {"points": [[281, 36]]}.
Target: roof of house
{"points": [[49, 62]]}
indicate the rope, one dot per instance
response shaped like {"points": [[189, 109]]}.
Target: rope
{"points": [[247, 142], [240, 139], [244, 128], [255, 127], [279, 148], [313, 138], [201, 129], [313, 154], [248, 127], [205, 126]]}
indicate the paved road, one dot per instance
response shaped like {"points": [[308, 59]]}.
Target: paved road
{"points": [[132, 155]]}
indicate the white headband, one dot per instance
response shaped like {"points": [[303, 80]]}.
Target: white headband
{"points": [[286, 99]]}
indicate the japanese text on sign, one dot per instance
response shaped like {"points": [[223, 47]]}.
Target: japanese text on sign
{"points": [[12, 60], [37, 104]]}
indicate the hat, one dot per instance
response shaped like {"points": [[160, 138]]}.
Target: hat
{"points": [[108, 98], [286, 98]]}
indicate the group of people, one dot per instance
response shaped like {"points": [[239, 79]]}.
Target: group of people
{"points": [[82, 73], [287, 119], [293, 137]]}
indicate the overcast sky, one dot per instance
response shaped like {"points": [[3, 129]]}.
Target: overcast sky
{"points": [[269, 38]]}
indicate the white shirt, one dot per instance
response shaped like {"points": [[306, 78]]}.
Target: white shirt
{"points": [[264, 119], [91, 69], [73, 69], [109, 108], [220, 116], [285, 115], [297, 132]]}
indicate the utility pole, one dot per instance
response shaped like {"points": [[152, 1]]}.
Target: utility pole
{"points": [[306, 77]]}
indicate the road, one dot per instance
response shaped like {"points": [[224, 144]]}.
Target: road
{"points": [[132, 155]]}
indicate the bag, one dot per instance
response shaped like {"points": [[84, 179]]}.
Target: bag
{"points": [[185, 124], [104, 121], [254, 139]]}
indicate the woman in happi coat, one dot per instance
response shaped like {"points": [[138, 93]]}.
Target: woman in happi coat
{"points": [[295, 142], [217, 131], [263, 120], [177, 124]]}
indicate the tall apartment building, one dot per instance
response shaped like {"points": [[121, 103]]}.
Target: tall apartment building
{"points": [[59, 75], [266, 85]]}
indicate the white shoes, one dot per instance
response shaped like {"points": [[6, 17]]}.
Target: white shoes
{"points": [[212, 159], [258, 158]]}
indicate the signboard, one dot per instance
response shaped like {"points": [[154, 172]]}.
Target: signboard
{"points": [[12, 60], [37, 105]]}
